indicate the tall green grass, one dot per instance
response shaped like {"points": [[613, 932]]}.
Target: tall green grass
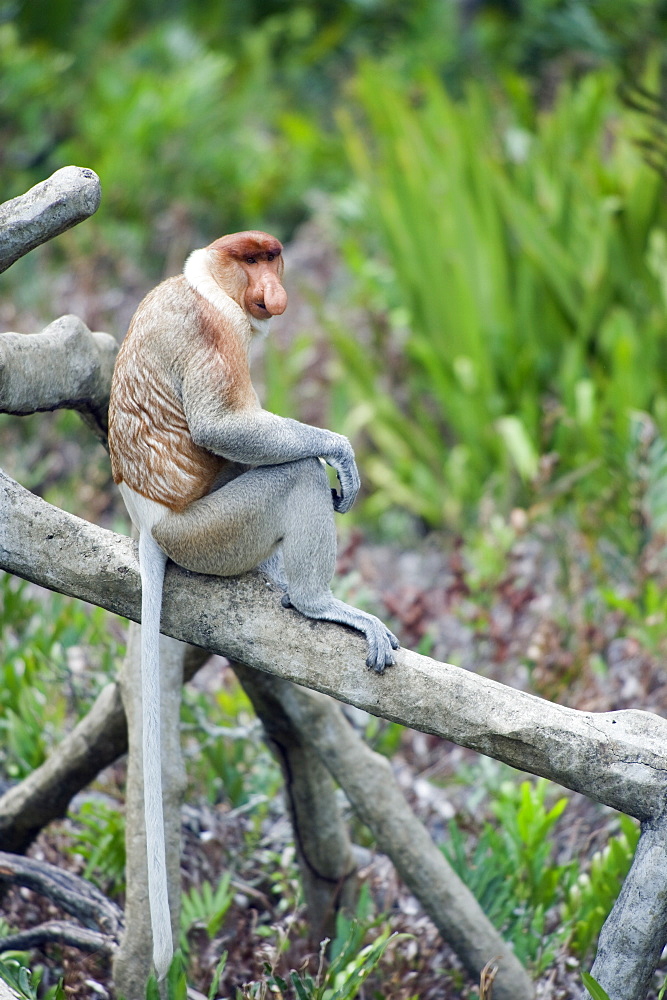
{"points": [[520, 258]]}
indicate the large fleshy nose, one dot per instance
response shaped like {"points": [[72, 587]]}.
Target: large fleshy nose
{"points": [[275, 297]]}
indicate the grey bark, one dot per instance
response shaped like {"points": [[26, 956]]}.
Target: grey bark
{"points": [[369, 784], [63, 367], [66, 198], [132, 963], [635, 932], [72, 893], [326, 857], [619, 758], [102, 920]]}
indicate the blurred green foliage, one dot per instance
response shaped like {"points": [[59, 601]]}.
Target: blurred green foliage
{"points": [[492, 197], [523, 274], [46, 640]]}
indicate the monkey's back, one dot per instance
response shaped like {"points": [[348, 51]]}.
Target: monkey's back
{"points": [[150, 444]]}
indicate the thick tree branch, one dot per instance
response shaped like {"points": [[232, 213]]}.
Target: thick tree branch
{"points": [[634, 934], [368, 782], [59, 932], [73, 894], [63, 367], [67, 197], [619, 758]]}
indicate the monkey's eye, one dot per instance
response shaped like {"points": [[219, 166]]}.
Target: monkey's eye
{"points": [[269, 256], [250, 260]]}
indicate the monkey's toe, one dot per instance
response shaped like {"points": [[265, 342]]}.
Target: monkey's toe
{"points": [[285, 601], [380, 649]]}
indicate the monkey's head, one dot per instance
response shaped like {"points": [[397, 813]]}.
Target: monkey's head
{"points": [[249, 266]]}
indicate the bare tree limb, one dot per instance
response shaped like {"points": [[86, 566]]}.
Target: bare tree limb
{"points": [[73, 894], [367, 780], [59, 932], [619, 758], [66, 198], [635, 932], [63, 367]]}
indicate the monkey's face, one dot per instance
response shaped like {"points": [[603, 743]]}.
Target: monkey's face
{"points": [[250, 269], [264, 294]]}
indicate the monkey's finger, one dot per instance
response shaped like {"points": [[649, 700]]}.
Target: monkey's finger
{"points": [[341, 501], [395, 644]]}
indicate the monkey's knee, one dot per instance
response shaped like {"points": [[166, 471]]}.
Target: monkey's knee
{"points": [[311, 488]]}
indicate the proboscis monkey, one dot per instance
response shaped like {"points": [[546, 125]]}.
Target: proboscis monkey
{"points": [[216, 483]]}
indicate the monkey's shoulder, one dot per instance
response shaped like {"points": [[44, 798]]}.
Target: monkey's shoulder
{"points": [[175, 320], [170, 306]]}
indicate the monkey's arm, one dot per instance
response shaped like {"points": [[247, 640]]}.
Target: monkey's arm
{"points": [[254, 436]]}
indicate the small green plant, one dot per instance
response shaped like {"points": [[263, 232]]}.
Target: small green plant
{"points": [[349, 928], [226, 757], [22, 982], [344, 976], [205, 907], [590, 898], [175, 984], [100, 840], [510, 870], [282, 876]]}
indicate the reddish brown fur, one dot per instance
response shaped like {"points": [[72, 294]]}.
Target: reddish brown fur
{"points": [[251, 243], [177, 334], [256, 286], [174, 331]]}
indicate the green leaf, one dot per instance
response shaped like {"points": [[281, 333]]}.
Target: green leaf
{"points": [[594, 987], [298, 986], [519, 446]]}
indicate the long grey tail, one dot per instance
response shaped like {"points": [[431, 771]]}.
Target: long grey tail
{"points": [[152, 561]]}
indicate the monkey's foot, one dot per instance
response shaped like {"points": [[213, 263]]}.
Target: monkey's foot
{"points": [[381, 641]]}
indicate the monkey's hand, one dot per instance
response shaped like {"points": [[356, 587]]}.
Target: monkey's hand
{"points": [[348, 476]]}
